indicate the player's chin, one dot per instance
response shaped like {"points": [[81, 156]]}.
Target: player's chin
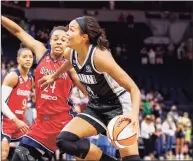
{"points": [[28, 66], [58, 51]]}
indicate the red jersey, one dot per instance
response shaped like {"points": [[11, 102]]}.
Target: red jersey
{"points": [[18, 99], [52, 99]]}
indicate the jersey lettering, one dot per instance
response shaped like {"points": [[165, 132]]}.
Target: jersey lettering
{"points": [[48, 97], [21, 92], [46, 71], [88, 79], [19, 112]]}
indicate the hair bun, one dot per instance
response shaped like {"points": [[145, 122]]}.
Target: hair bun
{"points": [[22, 45]]}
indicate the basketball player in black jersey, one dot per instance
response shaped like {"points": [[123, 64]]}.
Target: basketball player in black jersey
{"points": [[111, 91]]}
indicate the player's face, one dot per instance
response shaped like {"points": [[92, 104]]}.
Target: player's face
{"points": [[57, 41], [74, 36], [25, 59]]}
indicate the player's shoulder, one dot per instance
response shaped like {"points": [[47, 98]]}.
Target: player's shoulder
{"points": [[67, 53], [13, 74], [102, 55], [11, 79]]}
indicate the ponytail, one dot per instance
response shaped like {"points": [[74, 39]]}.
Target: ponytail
{"points": [[102, 41]]}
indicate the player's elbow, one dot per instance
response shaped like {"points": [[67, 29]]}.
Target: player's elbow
{"points": [[135, 90], [17, 31]]}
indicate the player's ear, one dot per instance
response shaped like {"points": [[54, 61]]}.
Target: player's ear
{"points": [[18, 60], [50, 41], [85, 37]]}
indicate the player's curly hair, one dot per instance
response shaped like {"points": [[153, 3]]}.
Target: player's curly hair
{"points": [[63, 28]]}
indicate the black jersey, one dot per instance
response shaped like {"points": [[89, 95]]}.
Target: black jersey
{"points": [[99, 85]]}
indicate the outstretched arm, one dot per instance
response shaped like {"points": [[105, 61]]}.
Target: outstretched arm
{"points": [[37, 47]]}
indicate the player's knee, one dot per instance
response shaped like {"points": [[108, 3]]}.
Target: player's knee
{"points": [[5, 149], [71, 144], [65, 137], [4, 155]]}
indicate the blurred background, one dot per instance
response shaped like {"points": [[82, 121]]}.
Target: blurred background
{"points": [[151, 41]]}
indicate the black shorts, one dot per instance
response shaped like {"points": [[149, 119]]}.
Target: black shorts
{"points": [[180, 134], [99, 115]]}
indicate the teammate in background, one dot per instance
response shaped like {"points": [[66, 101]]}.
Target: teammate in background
{"points": [[53, 112], [16, 89], [111, 91]]}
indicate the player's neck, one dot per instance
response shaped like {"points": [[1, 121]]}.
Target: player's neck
{"points": [[82, 52], [55, 56], [23, 71]]}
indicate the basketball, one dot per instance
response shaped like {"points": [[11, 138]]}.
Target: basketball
{"points": [[121, 132]]}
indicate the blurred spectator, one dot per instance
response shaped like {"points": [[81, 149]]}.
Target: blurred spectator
{"points": [[170, 49], [169, 129], [189, 47], [188, 141], [147, 108], [159, 55], [144, 56], [180, 138], [79, 100], [130, 20], [149, 96], [158, 112], [159, 139], [158, 96], [24, 25], [151, 56], [121, 17], [147, 130], [174, 113], [32, 31], [43, 35], [143, 95], [3, 71], [118, 50], [181, 51], [11, 66]]}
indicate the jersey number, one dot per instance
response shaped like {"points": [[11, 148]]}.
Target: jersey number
{"points": [[24, 103], [53, 86]]}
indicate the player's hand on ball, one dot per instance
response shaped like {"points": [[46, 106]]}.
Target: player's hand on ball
{"points": [[130, 116], [45, 81], [21, 125]]}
